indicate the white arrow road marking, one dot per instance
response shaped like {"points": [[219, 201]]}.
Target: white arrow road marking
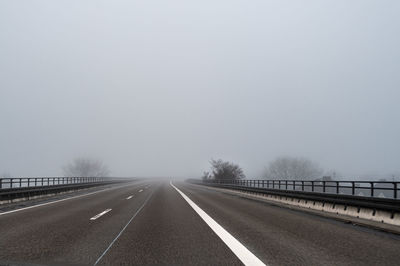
{"points": [[129, 197], [237, 248], [140, 190], [99, 215]]}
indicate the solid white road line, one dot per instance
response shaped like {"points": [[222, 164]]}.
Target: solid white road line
{"points": [[123, 229], [129, 197], [140, 190], [99, 215], [47, 203], [237, 248]]}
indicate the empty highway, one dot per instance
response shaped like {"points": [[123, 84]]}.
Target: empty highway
{"points": [[158, 222]]}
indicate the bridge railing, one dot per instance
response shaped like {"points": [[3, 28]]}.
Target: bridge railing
{"points": [[374, 189], [9, 183]]}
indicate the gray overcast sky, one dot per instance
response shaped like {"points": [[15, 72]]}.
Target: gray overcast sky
{"points": [[157, 88]]}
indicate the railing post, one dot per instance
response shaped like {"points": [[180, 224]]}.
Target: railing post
{"points": [[302, 185], [353, 188], [372, 189], [312, 186], [337, 187], [323, 186], [1, 183], [20, 182], [273, 184], [286, 184], [35, 182], [394, 191]]}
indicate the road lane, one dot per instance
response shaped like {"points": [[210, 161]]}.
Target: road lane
{"points": [[169, 232], [233, 244], [157, 226], [279, 236], [62, 232]]}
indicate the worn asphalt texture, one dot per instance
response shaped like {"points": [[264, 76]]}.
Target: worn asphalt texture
{"points": [[158, 227]]}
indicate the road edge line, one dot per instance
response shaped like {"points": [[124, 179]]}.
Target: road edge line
{"points": [[233, 244]]}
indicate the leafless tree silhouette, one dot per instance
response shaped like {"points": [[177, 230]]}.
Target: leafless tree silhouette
{"points": [[86, 167], [293, 168]]}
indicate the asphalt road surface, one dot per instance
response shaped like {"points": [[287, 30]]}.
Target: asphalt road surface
{"points": [[161, 223]]}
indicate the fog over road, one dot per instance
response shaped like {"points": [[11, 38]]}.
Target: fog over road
{"points": [[150, 223]]}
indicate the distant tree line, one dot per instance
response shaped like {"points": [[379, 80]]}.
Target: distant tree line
{"points": [[282, 168]]}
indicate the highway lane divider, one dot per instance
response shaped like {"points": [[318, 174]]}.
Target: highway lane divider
{"points": [[233, 244], [124, 228], [100, 214]]}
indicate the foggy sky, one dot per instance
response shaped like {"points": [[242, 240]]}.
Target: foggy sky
{"points": [[158, 88]]}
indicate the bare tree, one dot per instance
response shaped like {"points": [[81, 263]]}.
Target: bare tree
{"points": [[206, 176], [222, 170], [86, 167], [292, 168]]}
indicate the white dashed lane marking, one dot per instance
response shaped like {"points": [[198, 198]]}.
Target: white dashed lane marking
{"points": [[99, 215]]}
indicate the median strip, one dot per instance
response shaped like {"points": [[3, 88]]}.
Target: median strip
{"points": [[237, 248], [99, 215]]}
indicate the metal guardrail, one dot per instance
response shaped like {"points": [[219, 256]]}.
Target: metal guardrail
{"points": [[368, 189], [28, 182], [29, 187], [387, 204]]}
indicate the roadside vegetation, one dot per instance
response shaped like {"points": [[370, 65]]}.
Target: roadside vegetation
{"points": [[224, 170], [293, 168], [86, 167]]}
